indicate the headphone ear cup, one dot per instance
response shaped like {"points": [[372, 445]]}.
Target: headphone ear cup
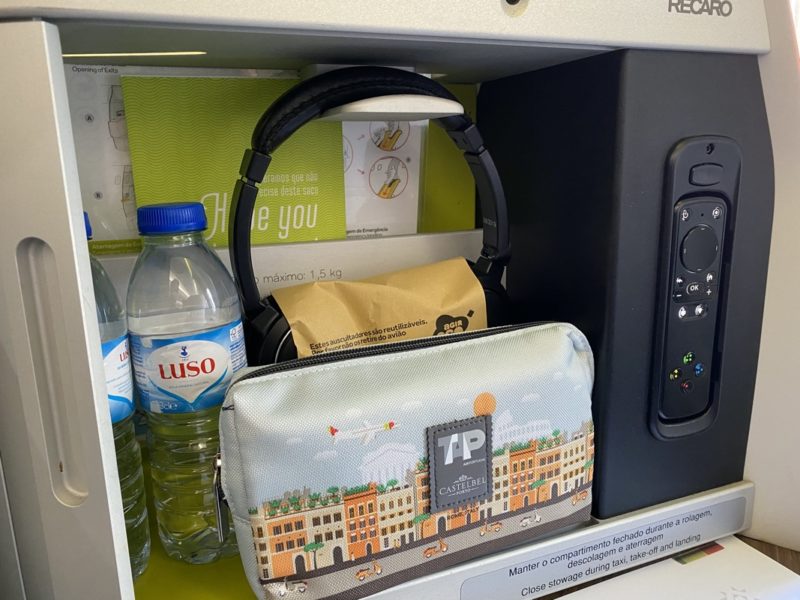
{"points": [[280, 343], [268, 337], [498, 303]]}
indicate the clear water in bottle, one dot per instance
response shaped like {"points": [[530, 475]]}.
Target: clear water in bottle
{"points": [[114, 338], [186, 342]]}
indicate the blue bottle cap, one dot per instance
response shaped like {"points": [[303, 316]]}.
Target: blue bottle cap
{"points": [[181, 217], [87, 225]]}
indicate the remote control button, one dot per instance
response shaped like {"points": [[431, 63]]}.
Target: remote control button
{"points": [[686, 386], [675, 374], [679, 280], [688, 358], [717, 212], [685, 214], [699, 248], [699, 369], [706, 174], [695, 288], [682, 312], [711, 277], [711, 292], [699, 310]]}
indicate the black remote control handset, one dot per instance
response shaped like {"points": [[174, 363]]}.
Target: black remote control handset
{"points": [[701, 190]]}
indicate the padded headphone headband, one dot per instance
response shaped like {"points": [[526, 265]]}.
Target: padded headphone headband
{"points": [[310, 99]]}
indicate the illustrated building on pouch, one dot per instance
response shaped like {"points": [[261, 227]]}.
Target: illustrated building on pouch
{"points": [[297, 534], [390, 461], [361, 513], [578, 459]]}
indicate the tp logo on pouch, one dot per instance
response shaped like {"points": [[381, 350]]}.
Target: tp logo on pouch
{"points": [[449, 324], [460, 458]]}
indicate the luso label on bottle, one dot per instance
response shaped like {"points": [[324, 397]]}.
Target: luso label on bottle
{"points": [[119, 386], [188, 373]]}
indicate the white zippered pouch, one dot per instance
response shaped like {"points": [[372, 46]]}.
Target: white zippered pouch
{"points": [[353, 471]]}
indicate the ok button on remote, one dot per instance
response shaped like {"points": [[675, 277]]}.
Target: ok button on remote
{"points": [[695, 288]]}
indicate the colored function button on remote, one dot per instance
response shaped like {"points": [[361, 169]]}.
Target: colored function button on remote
{"points": [[688, 358], [699, 369], [686, 386], [675, 374]]}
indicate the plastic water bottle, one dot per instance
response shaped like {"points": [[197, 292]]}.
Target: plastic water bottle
{"points": [[114, 338], [186, 342]]}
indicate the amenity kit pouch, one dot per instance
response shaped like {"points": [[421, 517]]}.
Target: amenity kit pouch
{"points": [[353, 471]]}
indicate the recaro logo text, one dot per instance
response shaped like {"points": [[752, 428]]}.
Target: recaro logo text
{"points": [[719, 8]]}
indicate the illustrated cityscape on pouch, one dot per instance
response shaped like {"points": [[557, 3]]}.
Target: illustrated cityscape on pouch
{"points": [[542, 478]]}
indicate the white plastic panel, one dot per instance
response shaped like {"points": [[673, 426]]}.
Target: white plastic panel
{"points": [[55, 433], [607, 547], [735, 25], [771, 451], [281, 265], [405, 107], [460, 59], [10, 572]]}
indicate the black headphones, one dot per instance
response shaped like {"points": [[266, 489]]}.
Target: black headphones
{"points": [[267, 334]]}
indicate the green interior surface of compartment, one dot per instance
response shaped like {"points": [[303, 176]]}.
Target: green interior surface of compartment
{"points": [[187, 138], [447, 200], [167, 578]]}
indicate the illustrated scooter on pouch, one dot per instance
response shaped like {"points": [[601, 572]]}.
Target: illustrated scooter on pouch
{"points": [[288, 587], [375, 569], [525, 521], [579, 496], [488, 527], [387, 139], [433, 550], [392, 180], [366, 434]]}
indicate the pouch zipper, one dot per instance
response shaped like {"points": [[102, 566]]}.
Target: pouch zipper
{"points": [[223, 526], [335, 356], [377, 350]]}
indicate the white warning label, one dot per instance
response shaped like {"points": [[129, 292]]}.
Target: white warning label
{"points": [[616, 552]]}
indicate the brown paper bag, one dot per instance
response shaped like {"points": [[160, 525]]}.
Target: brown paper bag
{"points": [[440, 298]]}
